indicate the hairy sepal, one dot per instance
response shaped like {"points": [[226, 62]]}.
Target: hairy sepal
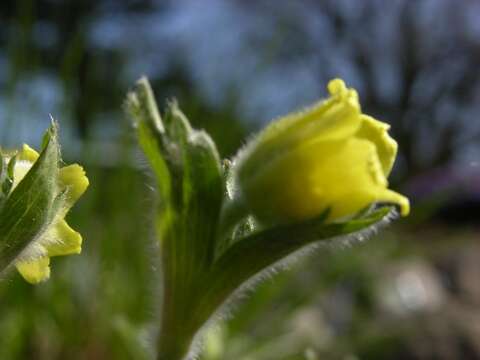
{"points": [[259, 255], [33, 204]]}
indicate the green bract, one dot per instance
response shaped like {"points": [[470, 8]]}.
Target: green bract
{"points": [[210, 245], [36, 194]]}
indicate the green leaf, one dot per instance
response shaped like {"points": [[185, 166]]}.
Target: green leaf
{"points": [[261, 251], [142, 109], [200, 175], [32, 205], [189, 181]]}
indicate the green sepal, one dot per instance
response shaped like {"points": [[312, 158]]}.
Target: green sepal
{"points": [[263, 250], [197, 168], [32, 205]]}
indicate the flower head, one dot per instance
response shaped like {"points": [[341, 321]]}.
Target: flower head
{"points": [[330, 156], [58, 238]]}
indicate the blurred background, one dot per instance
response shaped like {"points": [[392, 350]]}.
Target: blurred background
{"points": [[412, 292]]}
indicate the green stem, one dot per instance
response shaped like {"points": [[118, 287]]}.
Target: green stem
{"points": [[176, 328], [175, 336], [171, 348]]}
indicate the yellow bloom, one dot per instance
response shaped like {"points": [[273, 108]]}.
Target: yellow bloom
{"points": [[329, 156], [59, 238]]}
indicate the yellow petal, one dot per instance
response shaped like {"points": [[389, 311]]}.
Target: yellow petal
{"points": [[344, 176], [73, 179], [27, 154], [63, 240], [377, 132], [34, 271], [59, 239], [22, 167], [351, 178], [333, 119], [25, 159], [392, 197]]}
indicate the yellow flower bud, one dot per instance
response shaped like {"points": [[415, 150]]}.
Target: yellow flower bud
{"points": [[330, 156]]}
